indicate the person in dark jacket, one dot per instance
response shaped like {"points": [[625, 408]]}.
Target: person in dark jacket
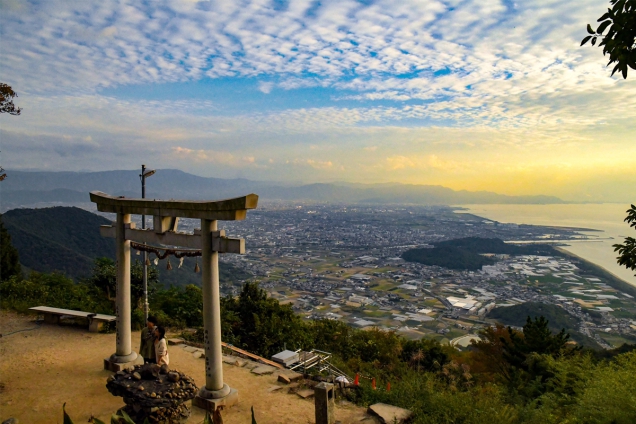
{"points": [[147, 346]]}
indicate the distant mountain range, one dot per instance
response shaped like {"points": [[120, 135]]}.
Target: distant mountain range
{"points": [[22, 189]]}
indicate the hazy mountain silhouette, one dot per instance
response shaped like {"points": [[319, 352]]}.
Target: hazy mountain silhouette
{"points": [[28, 188]]}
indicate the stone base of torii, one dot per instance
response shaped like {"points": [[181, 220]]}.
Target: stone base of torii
{"points": [[209, 240]]}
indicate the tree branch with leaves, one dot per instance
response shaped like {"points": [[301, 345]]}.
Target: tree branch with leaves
{"points": [[6, 106], [6, 100], [627, 250], [620, 41]]}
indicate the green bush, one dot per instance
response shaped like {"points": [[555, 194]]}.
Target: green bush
{"points": [[20, 295], [610, 393], [432, 401], [53, 290], [261, 324], [179, 307]]}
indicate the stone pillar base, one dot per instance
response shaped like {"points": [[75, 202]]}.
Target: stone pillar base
{"points": [[211, 405], [113, 363]]}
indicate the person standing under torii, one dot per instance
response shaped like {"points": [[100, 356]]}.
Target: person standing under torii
{"points": [[161, 347], [147, 346]]}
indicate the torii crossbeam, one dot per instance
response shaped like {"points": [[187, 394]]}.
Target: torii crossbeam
{"points": [[209, 239]]}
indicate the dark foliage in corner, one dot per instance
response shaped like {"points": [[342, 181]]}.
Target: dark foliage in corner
{"points": [[627, 250], [620, 40], [6, 100]]}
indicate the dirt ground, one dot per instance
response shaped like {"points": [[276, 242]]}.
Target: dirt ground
{"points": [[48, 366]]}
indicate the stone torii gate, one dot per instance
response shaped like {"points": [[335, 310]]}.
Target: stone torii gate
{"points": [[209, 239]]}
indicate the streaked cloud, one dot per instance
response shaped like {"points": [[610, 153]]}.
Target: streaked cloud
{"points": [[427, 91]]}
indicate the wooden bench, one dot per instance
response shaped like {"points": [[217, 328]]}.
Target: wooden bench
{"points": [[52, 316]]}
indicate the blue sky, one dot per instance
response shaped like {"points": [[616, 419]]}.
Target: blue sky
{"points": [[477, 95]]}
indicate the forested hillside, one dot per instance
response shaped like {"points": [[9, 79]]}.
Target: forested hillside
{"points": [[558, 318], [64, 239], [67, 240], [466, 253], [447, 257], [495, 245]]}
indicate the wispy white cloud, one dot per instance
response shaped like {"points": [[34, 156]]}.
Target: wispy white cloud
{"points": [[265, 86], [86, 45], [417, 78]]}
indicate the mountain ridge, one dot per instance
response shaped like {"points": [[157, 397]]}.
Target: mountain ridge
{"points": [[29, 187]]}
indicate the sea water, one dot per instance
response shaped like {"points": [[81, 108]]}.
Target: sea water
{"points": [[607, 217]]}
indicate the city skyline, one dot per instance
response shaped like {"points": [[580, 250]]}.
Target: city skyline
{"points": [[470, 95]]}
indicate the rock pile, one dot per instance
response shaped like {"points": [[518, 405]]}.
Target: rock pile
{"points": [[153, 392]]}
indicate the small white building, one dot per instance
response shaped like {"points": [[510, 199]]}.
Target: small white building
{"points": [[363, 323]]}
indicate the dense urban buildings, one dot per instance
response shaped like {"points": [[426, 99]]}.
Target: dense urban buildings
{"points": [[344, 262]]}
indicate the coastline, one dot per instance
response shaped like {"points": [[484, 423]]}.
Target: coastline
{"points": [[599, 226], [562, 227], [613, 280]]}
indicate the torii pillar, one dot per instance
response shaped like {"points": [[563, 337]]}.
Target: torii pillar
{"points": [[124, 356], [210, 240]]}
